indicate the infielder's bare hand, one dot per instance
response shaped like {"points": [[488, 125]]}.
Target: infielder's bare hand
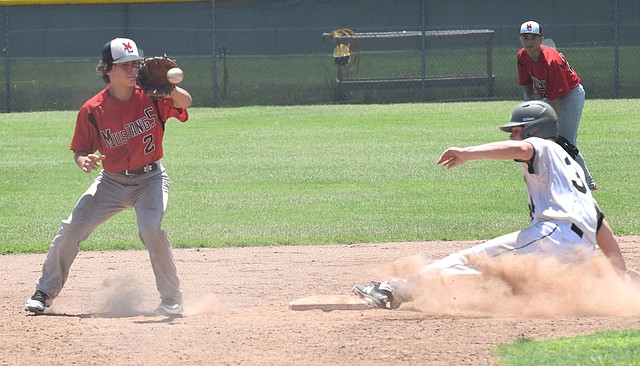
{"points": [[452, 157], [90, 162]]}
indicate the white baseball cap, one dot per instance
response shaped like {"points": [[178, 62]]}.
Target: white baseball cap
{"points": [[531, 27], [120, 50]]}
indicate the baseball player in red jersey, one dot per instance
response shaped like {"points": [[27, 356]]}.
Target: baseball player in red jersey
{"points": [[566, 222], [121, 130], [549, 72]]}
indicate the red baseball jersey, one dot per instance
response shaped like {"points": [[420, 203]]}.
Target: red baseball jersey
{"points": [[551, 74], [129, 133]]}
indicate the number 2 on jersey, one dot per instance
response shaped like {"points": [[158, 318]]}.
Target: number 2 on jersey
{"points": [[149, 145]]}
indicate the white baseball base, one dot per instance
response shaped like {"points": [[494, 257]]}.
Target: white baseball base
{"points": [[329, 303]]}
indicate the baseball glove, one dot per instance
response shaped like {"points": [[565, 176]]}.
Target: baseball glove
{"points": [[152, 76]]}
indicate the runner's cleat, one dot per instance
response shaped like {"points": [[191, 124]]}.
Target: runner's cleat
{"points": [[374, 295]]}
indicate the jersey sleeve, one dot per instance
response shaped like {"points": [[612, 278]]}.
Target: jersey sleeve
{"points": [[85, 136], [539, 161], [167, 110]]}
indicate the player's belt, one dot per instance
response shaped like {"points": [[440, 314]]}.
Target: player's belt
{"points": [[145, 169], [576, 230]]}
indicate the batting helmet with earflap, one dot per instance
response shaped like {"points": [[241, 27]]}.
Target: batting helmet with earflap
{"points": [[537, 119]]}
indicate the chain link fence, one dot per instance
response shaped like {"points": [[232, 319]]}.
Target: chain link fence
{"points": [[283, 52]]}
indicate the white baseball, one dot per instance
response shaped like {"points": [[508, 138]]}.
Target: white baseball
{"points": [[175, 75]]}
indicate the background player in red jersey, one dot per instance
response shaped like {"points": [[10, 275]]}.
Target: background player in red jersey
{"points": [[549, 72], [125, 126]]}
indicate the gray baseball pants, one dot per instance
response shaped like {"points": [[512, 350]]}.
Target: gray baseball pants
{"points": [[569, 115], [109, 194]]}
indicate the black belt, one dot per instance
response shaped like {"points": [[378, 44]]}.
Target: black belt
{"points": [[145, 169], [576, 230]]}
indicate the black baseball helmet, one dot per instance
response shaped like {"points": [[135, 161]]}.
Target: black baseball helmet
{"points": [[537, 119]]}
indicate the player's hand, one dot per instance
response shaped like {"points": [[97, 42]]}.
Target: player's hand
{"points": [[91, 162], [452, 158]]}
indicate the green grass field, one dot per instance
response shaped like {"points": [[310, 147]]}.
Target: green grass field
{"points": [[325, 174], [312, 175], [601, 348]]}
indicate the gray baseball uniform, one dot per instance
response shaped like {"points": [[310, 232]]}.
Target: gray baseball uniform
{"points": [[111, 193]]}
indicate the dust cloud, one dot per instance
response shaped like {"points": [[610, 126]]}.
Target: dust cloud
{"points": [[207, 304], [122, 298], [524, 286]]}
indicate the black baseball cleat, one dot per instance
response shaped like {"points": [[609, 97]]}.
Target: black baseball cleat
{"points": [[37, 302], [374, 295]]}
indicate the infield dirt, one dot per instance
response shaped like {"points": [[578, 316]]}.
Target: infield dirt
{"points": [[236, 308]]}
